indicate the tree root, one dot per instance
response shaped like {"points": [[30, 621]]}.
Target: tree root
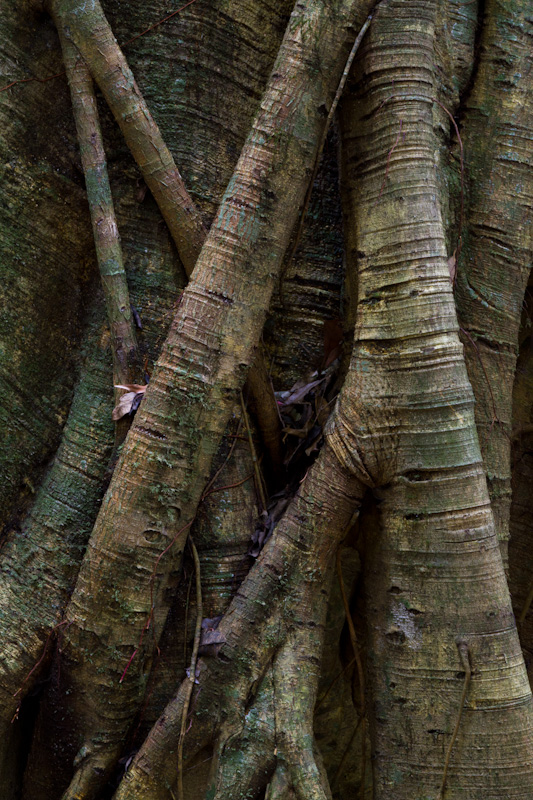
{"points": [[273, 634]]}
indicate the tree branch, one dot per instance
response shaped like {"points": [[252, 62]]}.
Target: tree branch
{"points": [[89, 30]]}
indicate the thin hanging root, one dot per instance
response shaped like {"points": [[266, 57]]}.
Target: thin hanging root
{"points": [[192, 668], [89, 30], [92, 36], [464, 655], [360, 671], [126, 358]]}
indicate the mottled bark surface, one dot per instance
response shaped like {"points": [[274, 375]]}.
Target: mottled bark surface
{"points": [[408, 407], [435, 144], [165, 462]]}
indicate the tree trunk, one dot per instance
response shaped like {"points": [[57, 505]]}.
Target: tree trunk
{"points": [[435, 143]]}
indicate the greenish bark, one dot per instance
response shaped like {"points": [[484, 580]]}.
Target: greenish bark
{"points": [[39, 320], [260, 655], [148, 247], [496, 260], [403, 428], [94, 39], [404, 425], [181, 420], [413, 437], [40, 562], [126, 367]]}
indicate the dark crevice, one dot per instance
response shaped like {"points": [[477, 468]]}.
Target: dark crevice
{"points": [[467, 91]]}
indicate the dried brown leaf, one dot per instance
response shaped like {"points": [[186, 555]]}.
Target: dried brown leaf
{"points": [[299, 391], [124, 405], [130, 401]]}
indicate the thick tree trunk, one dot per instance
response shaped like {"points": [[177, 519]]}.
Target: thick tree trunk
{"points": [[434, 574], [497, 255], [404, 428], [166, 459]]}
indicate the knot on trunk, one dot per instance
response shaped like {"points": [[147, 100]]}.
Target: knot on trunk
{"points": [[365, 449]]}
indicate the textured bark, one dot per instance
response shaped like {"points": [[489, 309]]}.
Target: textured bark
{"points": [[404, 425], [435, 572], [495, 262], [40, 320], [126, 366], [94, 39], [181, 420], [287, 592], [148, 249], [40, 562]]}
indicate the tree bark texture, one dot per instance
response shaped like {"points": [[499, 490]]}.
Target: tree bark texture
{"points": [[435, 143], [408, 404], [200, 368]]}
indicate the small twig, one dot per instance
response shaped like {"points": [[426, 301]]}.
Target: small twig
{"points": [[157, 24], [32, 80], [186, 620], [360, 671], [207, 491], [464, 655], [228, 486], [192, 668], [32, 670], [333, 682]]}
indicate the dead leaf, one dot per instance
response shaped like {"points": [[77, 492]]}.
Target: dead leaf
{"points": [[210, 639], [297, 393], [129, 402]]}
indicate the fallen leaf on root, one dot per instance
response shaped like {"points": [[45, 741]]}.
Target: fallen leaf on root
{"points": [[129, 402]]}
